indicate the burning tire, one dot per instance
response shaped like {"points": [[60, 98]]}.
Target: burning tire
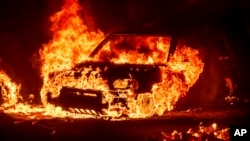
{"points": [[146, 104]]}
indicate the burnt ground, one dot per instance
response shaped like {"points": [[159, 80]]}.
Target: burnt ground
{"points": [[16, 128]]}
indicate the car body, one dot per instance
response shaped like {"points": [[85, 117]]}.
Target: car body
{"points": [[124, 79]]}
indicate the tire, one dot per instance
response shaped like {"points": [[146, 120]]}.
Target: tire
{"points": [[146, 104]]}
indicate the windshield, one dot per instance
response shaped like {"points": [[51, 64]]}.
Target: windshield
{"points": [[136, 49]]}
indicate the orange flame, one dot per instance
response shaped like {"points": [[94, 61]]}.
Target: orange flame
{"points": [[200, 134], [181, 73], [73, 42], [155, 50], [8, 90]]}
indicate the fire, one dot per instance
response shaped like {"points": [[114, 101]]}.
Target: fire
{"points": [[211, 132], [185, 67], [9, 90], [138, 50], [73, 43]]}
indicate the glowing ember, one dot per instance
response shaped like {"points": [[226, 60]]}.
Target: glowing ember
{"points": [[211, 132], [73, 43]]}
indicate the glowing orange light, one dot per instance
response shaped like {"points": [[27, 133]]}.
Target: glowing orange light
{"points": [[73, 42]]}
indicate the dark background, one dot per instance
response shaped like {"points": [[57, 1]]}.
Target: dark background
{"points": [[24, 27]]}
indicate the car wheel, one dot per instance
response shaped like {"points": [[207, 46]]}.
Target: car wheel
{"points": [[146, 104]]}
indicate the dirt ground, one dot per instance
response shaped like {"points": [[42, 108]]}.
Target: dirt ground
{"points": [[16, 128]]}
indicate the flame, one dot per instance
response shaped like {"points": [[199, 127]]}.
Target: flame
{"points": [[137, 50], [211, 132], [9, 90], [185, 67], [73, 42]]}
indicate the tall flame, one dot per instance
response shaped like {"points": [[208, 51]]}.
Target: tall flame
{"points": [[181, 73], [73, 42]]}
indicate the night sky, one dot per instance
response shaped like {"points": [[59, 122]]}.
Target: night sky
{"points": [[24, 26]]}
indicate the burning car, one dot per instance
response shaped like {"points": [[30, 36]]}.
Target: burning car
{"points": [[124, 80], [124, 74], [135, 75]]}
